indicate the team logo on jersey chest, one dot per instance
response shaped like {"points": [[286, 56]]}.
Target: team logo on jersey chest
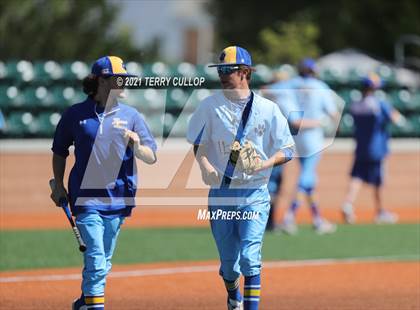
{"points": [[119, 123], [260, 129]]}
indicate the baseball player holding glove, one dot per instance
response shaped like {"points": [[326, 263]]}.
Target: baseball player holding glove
{"points": [[238, 136], [106, 135]]}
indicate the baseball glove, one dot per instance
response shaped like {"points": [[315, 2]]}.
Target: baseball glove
{"points": [[245, 157]]}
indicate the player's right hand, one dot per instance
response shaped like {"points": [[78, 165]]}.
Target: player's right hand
{"points": [[210, 177], [58, 194], [132, 138]]}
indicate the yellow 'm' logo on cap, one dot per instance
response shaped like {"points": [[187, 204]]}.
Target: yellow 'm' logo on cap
{"points": [[117, 65], [228, 55]]}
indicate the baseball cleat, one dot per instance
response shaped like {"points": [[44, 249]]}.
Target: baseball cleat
{"points": [[234, 304], [348, 214], [289, 228], [79, 304], [322, 227], [386, 217]]}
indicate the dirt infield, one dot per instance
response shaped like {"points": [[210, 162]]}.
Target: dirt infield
{"points": [[345, 285], [25, 203], [176, 217]]}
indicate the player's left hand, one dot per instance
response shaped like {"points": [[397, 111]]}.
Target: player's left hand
{"points": [[132, 138], [59, 194], [246, 157]]}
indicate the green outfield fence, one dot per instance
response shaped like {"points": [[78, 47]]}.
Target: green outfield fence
{"points": [[34, 94]]}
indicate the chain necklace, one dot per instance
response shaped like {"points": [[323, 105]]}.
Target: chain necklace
{"points": [[101, 118]]}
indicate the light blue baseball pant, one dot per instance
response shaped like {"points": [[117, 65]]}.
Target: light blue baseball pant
{"points": [[307, 175], [100, 235], [239, 241]]}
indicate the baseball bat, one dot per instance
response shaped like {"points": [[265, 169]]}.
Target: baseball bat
{"points": [[64, 206]]}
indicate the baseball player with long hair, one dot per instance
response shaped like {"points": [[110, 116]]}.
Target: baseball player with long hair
{"points": [[107, 136], [371, 117], [238, 136]]}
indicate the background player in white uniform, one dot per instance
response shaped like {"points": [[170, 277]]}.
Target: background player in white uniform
{"points": [[214, 126], [309, 102]]}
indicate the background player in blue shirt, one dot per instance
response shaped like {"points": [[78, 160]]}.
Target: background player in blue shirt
{"points": [[212, 129], [371, 118], [307, 103], [106, 135]]}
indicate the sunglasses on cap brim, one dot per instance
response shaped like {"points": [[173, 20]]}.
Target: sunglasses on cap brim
{"points": [[227, 69]]}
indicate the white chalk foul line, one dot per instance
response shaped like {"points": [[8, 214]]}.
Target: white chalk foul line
{"points": [[208, 268]]}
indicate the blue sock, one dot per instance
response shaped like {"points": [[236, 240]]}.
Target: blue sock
{"points": [[232, 288], [95, 302], [252, 290], [294, 206], [315, 211]]}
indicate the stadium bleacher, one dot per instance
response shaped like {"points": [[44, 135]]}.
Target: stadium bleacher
{"points": [[33, 94]]}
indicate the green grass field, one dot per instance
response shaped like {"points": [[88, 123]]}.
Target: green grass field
{"points": [[57, 248]]}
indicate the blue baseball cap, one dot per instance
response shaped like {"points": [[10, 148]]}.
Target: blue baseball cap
{"points": [[308, 64], [109, 66], [372, 81], [234, 55]]}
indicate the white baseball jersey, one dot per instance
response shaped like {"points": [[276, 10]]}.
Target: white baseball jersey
{"points": [[315, 100], [215, 124]]}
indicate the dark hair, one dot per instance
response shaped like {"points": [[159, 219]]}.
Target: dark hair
{"points": [[90, 85], [250, 70]]}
